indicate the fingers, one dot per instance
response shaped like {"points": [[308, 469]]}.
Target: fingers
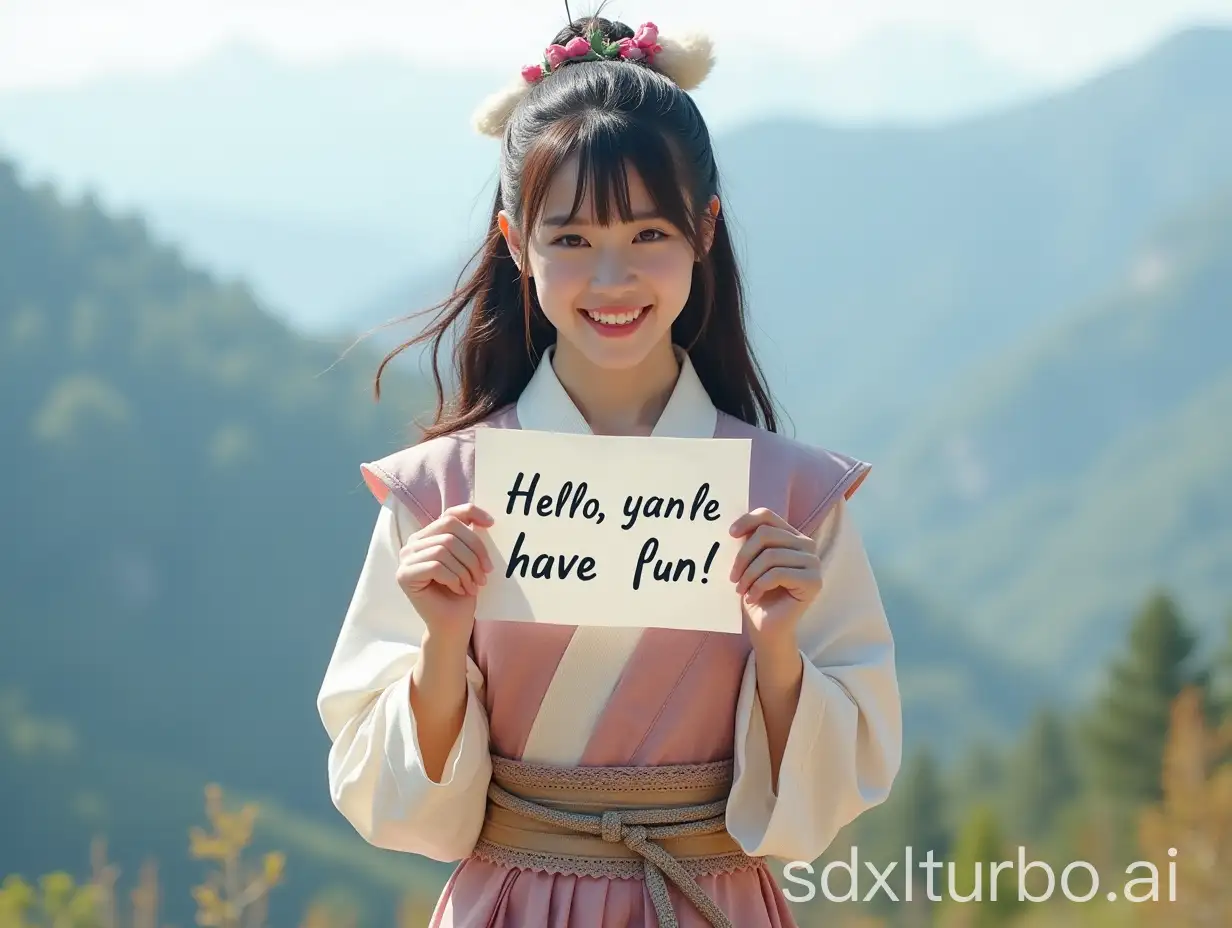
{"points": [[449, 551], [470, 552], [475, 560], [766, 535], [467, 513], [418, 574], [454, 522], [802, 565], [762, 516], [451, 543], [791, 579]]}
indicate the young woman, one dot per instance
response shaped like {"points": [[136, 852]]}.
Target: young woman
{"points": [[609, 776]]}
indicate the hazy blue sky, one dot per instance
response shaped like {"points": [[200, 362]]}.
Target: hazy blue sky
{"points": [[57, 41]]}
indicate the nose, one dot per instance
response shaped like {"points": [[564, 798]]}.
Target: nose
{"points": [[611, 271]]}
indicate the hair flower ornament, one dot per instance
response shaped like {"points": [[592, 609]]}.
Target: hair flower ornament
{"points": [[686, 61], [642, 47], [644, 44]]}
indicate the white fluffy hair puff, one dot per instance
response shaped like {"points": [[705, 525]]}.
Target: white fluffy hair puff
{"points": [[687, 60]]}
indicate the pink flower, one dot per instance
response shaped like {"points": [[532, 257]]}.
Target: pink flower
{"points": [[629, 51], [646, 36], [555, 54], [577, 47], [532, 73]]}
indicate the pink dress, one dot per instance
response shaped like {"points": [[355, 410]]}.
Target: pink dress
{"points": [[585, 696]]}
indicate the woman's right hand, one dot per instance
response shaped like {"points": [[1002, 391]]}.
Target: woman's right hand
{"points": [[441, 568]]}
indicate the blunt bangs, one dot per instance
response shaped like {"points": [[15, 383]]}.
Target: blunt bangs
{"points": [[607, 147]]}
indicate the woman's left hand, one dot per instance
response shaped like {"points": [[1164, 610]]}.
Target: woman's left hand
{"points": [[777, 574]]}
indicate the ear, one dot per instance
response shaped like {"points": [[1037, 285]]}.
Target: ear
{"points": [[513, 238], [709, 219]]}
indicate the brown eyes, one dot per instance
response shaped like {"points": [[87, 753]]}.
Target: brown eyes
{"points": [[576, 241]]}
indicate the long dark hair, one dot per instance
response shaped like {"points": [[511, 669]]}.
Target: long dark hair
{"points": [[611, 116]]}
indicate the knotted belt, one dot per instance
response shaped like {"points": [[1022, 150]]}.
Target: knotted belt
{"points": [[664, 823]]}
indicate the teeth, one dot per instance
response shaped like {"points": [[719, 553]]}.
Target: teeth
{"points": [[618, 319]]}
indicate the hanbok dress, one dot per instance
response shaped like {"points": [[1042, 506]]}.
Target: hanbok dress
{"points": [[662, 715]]}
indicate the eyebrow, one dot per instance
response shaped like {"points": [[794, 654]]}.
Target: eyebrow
{"points": [[563, 220]]}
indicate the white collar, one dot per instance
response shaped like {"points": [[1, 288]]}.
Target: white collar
{"points": [[545, 405]]}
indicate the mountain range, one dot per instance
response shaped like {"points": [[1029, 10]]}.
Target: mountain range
{"points": [[887, 265], [1088, 465], [325, 185]]}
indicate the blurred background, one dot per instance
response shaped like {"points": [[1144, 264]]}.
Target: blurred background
{"points": [[988, 247]]}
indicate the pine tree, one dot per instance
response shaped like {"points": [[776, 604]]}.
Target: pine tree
{"points": [[992, 900], [922, 807], [979, 777], [1041, 779], [1127, 730]]}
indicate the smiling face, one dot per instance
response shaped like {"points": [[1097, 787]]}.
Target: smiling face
{"points": [[611, 291]]}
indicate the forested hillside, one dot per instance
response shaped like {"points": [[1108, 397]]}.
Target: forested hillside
{"points": [[1090, 465], [183, 473]]}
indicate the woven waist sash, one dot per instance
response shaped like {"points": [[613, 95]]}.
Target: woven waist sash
{"points": [[662, 823]]}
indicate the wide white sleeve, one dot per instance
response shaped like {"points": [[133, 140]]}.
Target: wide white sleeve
{"points": [[376, 772], [844, 747]]}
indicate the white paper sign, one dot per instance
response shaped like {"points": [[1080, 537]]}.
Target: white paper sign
{"points": [[607, 530]]}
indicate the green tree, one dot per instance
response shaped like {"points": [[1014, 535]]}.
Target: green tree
{"points": [[1042, 778], [973, 874], [919, 805], [1128, 726], [979, 777], [915, 814]]}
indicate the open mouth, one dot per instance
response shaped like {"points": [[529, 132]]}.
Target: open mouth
{"points": [[616, 320]]}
